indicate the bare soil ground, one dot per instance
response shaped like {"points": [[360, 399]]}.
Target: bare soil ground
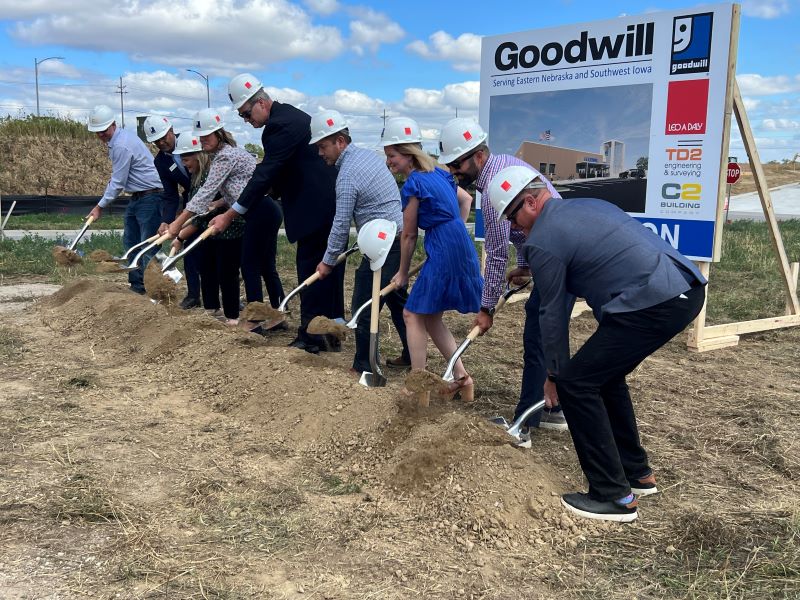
{"points": [[149, 452]]}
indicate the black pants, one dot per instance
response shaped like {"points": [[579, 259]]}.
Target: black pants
{"points": [[193, 263], [221, 273], [259, 249], [533, 370], [322, 298], [362, 291], [595, 397]]}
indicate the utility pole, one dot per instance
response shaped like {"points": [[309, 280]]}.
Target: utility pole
{"points": [[384, 118], [121, 101]]}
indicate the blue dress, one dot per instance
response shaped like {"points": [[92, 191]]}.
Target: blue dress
{"points": [[451, 277]]}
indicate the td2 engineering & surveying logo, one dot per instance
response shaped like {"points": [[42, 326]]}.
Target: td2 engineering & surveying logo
{"points": [[691, 44]]}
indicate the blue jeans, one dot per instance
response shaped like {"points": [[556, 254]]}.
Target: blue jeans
{"points": [[142, 219], [534, 371]]}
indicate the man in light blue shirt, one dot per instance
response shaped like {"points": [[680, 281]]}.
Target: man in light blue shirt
{"points": [[365, 190], [133, 171]]}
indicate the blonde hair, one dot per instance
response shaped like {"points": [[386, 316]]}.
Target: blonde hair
{"points": [[421, 160], [203, 165], [225, 137]]}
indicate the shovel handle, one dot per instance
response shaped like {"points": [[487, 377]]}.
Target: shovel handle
{"points": [[376, 295], [473, 333]]}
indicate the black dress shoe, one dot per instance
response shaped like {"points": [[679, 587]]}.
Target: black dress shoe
{"points": [[189, 302], [300, 344]]}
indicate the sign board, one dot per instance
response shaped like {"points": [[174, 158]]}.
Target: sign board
{"points": [[647, 93], [734, 172]]}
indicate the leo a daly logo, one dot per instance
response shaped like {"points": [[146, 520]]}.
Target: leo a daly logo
{"points": [[691, 44], [687, 105]]}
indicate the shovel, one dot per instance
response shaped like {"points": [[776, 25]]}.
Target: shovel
{"points": [[173, 258], [89, 221], [157, 242], [448, 373], [172, 273], [374, 378], [124, 257], [309, 280], [353, 322], [514, 429]]}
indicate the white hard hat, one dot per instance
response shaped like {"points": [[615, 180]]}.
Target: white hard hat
{"points": [[100, 118], [207, 121], [156, 127], [400, 130], [505, 186], [458, 137], [186, 143], [375, 239], [326, 123], [241, 88]]}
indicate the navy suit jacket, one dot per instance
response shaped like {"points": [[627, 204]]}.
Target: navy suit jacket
{"points": [[171, 179], [293, 171], [592, 249]]}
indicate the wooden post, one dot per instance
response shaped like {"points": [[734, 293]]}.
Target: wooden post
{"points": [[766, 200], [795, 268]]}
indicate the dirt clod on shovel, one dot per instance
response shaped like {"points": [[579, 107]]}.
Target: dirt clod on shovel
{"points": [[421, 380], [106, 266], [258, 311], [66, 257], [158, 286], [323, 325], [100, 256]]}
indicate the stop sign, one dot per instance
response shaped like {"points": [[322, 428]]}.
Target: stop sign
{"points": [[734, 172]]}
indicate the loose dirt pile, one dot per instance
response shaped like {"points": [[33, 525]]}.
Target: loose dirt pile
{"points": [[324, 325], [158, 453], [158, 286], [66, 257], [100, 256], [109, 267], [259, 311]]}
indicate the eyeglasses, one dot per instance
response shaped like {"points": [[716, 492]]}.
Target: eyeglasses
{"points": [[512, 215], [248, 113], [456, 164]]}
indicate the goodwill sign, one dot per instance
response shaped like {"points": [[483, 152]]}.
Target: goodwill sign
{"points": [[630, 110]]}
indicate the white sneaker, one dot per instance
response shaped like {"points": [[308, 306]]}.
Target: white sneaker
{"points": [[553, 420]]}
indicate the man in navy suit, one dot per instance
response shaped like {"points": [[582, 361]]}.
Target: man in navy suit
{"points": [[293, 171], [642, 292], [159, 132]]}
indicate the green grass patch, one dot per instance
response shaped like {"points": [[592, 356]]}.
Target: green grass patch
{"points": [[32, 255], [50, 221], [333, 485]]}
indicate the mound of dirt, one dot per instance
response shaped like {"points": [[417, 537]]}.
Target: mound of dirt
{"points": [[158, 286], [100, 256], [323, 325], [109, 267], [66, 257]]}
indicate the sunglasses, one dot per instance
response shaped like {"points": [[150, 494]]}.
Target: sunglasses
{"points": [[512, 215], [248, 113], [456, 164]]}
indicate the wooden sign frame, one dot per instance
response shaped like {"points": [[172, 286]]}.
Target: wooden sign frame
{"points": [[703, 337]]}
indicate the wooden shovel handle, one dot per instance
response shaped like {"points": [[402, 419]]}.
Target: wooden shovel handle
{"points": [[473, 333], [393, 286], [376, 301], [208, 233]]}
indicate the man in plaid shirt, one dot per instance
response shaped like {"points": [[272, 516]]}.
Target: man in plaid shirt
{"points": [[365, 190], [466, 153]]}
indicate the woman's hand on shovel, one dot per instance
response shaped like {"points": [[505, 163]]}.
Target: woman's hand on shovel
{"points": [[400, 280], [177, 245]]}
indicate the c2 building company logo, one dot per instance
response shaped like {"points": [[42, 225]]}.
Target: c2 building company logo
{"points": [[687, 105], [691, 44]]}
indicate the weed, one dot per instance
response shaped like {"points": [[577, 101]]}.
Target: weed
{"points": [[11, 345], [333, 485]]}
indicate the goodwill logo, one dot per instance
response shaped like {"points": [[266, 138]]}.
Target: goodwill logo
{"points": [[691, 44]]}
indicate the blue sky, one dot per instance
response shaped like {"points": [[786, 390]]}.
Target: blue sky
{"points": [[412, 58]]}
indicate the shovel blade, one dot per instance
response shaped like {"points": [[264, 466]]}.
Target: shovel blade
{"points": [[372, 379], [174, 274]]}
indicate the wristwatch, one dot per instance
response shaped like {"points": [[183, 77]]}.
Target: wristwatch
{"points": [[552, 377], [488, 311]]}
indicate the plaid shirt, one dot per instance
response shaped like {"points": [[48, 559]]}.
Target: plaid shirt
{"points": [[365, 190], [497, 235]]}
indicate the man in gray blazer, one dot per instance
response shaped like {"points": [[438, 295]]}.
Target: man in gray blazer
{"points": [[642, 292]]}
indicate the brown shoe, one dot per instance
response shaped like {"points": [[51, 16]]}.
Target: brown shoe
{"points": [[399, 362]]}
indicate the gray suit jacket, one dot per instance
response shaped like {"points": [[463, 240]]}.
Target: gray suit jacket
{"points": [[592, 249]]}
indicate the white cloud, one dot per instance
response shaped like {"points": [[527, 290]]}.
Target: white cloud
{"points": [[750, 104], [348, 101], [223, 35], [759, 85], [287, 95], [464, 52], [463, 95], [780, 124], [765, 9], [370, 29], [323, 7]]}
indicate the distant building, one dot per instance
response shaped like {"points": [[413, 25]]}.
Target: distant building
{"points": [[614, 155], [559, 163]]}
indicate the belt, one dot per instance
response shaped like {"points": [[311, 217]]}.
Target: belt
{"points": [[141, 193]]}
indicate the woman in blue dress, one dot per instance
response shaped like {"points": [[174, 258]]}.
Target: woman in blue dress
{"points": [[450, 278]]}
